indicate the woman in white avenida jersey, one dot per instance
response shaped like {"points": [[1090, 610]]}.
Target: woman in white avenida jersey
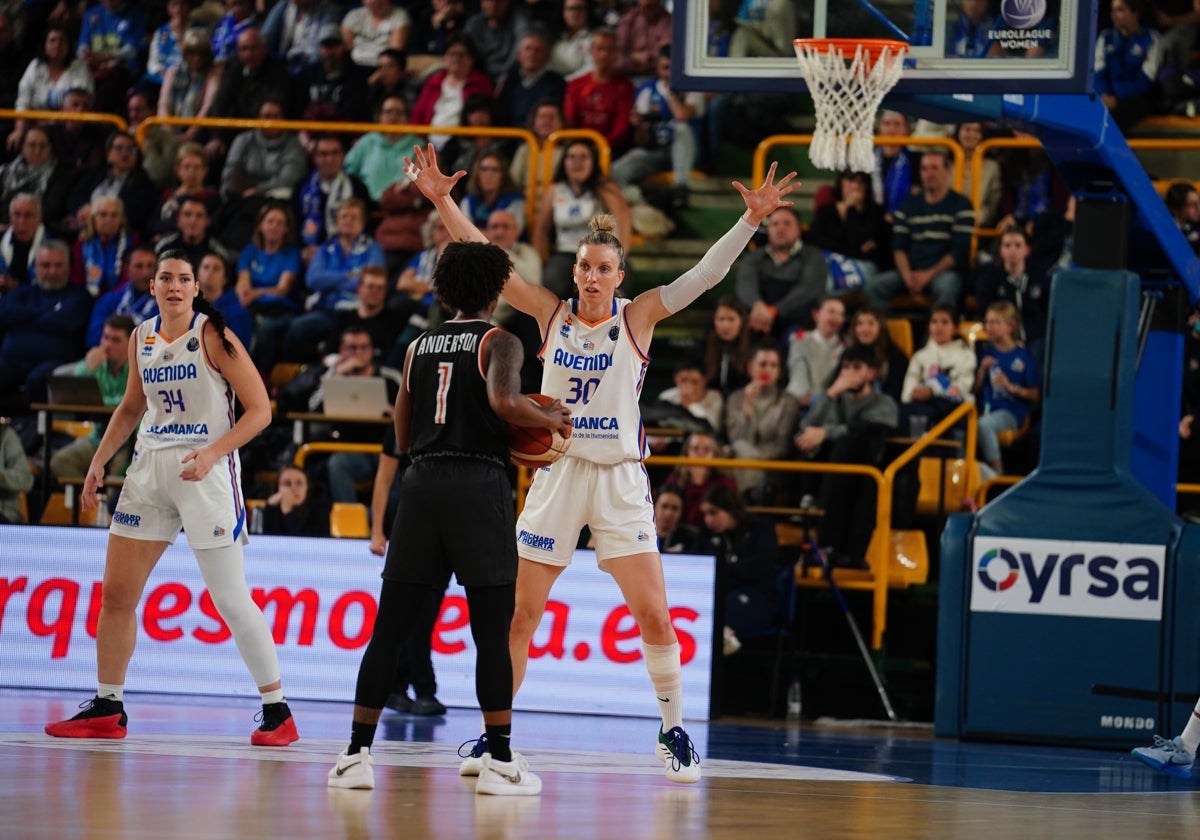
{"points": [[185, 473], [595, 353]]}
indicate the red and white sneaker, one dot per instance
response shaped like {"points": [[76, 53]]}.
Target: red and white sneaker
{"points": [[277, 727], [100, 718]]}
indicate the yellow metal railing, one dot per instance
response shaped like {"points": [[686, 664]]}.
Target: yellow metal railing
{"points": [[65, 116], [546, 164], [315, 447], [530, 187], [763, 149], [878, 554]]}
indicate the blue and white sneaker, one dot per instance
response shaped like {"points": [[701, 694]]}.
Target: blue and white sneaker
{"points": [[472, 759], [675, 750], [1169, 756]]}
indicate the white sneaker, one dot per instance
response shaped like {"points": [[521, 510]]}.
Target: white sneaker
{"points": [[1169, 756], [507, 778], [472, 759], [356, 772], [675, 750]]}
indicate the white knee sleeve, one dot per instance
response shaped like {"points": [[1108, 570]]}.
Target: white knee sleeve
{"points": [[226, 582]]}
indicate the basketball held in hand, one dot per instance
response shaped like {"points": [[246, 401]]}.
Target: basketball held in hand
{"points": [[536, 446]]}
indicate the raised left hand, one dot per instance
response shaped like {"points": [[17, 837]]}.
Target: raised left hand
{"points": [[768, 198]]}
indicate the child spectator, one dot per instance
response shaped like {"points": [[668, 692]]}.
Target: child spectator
{"points": [[696, 480], [814, 354], [1007, 382], [941, 374]]}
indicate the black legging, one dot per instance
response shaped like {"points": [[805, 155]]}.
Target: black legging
{"points": [[491, 610]]}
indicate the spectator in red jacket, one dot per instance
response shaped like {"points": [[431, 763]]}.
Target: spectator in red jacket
{"points": [[602, 100], [441, 99]]}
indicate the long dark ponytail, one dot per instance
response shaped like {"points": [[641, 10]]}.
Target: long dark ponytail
{"points": [[200, 303]]}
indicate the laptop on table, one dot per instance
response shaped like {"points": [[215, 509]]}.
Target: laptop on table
{"points": [[74, 390], [355, 396]]}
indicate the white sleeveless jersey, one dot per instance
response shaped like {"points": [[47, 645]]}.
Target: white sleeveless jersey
{"points": [[572, 216], [597, 371], [188, 403]]}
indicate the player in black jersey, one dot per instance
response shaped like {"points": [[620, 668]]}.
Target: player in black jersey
{"points": [[461, 386]]}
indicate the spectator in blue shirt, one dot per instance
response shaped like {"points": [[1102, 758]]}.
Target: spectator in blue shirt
{"points": [[1128, 57], [238, 18], [1006, 380], [968, 37], [213, 278], [267, 271], [111, 41], [43, 323], [333, 280], [132, 298]]}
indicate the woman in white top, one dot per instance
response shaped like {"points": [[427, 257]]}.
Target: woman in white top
{"points": [[578, 191], [571, 54], [595, 357], [47, 79], [374, 27], [187, 369]]}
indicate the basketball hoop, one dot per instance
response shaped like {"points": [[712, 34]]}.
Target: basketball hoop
{"points": [[848, 78]]}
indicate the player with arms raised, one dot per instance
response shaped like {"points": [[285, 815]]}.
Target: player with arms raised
{"points": [[595, 354]]}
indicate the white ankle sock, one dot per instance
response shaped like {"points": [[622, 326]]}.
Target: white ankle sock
{"points": [[666, 674], [110, 692], [269, 697], [1191, 733]]}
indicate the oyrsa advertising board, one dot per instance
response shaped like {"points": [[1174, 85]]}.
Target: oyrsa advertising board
{"points": [[320, 597]]}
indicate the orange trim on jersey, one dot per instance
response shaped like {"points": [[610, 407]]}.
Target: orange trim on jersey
{"points": [[479, 352], [629, 335], [541, 353]]}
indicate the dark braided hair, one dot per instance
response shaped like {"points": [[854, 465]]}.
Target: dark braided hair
{"points": [[470, 275], [200, 304]]}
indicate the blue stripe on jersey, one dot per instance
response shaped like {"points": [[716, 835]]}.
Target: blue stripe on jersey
{"points": [[541, 353], [238, 507], [645, 357]]}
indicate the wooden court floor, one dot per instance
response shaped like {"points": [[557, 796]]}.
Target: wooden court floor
{"points": [[187, 771]]}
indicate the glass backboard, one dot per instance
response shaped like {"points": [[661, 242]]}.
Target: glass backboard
{"points": [[955, 46]]}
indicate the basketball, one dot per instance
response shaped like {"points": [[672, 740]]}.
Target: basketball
{"points": [[535, 446]]}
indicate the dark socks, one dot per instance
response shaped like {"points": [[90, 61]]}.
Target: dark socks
{"points": [[361, 735], [499, 736]]}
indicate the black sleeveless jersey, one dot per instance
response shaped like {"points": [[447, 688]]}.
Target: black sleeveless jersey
{"points": [[448, 388]]}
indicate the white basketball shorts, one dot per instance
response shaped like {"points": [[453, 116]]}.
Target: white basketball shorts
{"points": [[613, 500], [155, 502]]}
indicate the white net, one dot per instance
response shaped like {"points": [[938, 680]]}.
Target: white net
{"points": [[846, 92]]}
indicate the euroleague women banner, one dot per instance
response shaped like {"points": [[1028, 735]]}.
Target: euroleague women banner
{"points": [[320, 597]]}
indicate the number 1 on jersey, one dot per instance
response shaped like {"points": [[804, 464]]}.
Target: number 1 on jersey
{"points": [[444, 371]]}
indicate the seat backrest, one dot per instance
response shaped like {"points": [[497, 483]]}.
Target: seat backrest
{"points": [[901, 334], [945, 484], [56, 511], [348, 520]]}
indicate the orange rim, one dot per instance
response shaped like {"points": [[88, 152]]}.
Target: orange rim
{"points": [[873, 47]]}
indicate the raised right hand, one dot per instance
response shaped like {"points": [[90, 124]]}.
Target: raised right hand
{"points": [[422, 169]]}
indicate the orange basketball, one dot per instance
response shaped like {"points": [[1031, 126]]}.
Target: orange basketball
{"points": [[535, 446]]}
